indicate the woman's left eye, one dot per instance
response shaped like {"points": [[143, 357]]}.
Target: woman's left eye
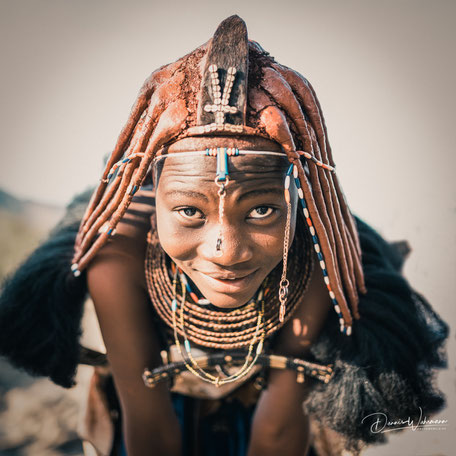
{"points": [[261, 212]]}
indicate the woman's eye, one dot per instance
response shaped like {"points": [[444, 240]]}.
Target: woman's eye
{"points": [[190, 213], [261, 212]]}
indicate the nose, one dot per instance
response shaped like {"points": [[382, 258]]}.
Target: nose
{"points": [[235, 247]]}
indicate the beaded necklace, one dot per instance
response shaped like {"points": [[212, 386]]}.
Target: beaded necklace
{"points": [[193, 366]]}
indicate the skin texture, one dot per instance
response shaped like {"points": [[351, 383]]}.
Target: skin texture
{"points": [[117, 286], [253, 223]]}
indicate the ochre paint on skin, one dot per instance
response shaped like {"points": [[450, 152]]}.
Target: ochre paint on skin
{"points": [[253, 225]]}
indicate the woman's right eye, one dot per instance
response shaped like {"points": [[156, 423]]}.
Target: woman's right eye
{"points": [[190, 213]]}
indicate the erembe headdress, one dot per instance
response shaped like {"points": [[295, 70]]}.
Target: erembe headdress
{"points": [[231, 86]]}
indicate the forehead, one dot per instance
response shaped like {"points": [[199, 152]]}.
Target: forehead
{"points": [[191, 170]]}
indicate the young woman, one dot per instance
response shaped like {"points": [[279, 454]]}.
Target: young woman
{"points": [[238, 298]]}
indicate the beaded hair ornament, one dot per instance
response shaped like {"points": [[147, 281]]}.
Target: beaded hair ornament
{"points": [[260, 98]]}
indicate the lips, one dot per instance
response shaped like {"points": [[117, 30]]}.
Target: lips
{"points": [[227, 282]]}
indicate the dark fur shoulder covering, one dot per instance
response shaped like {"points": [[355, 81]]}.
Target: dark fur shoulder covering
{"points": [[41, 305], [387, 364]]}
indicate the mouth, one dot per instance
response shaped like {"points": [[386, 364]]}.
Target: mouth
{"points": [[227, 283]]}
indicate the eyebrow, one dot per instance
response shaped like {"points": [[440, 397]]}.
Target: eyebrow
{"points": [[188, 193], [261, 191], [249, 194]]}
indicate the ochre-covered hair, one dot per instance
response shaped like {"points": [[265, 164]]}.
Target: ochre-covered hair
{"points": [[281, 106]]}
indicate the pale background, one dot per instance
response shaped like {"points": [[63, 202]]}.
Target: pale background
{"points": [[384, 72]]}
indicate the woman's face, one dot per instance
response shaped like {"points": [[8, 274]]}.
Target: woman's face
{"points": [[253, 224]]}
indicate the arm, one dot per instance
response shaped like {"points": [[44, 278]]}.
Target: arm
{"points": [[280, 425], [116, 284]]}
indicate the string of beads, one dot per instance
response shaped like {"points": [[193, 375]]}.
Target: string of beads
{"points": [[345, 329]]}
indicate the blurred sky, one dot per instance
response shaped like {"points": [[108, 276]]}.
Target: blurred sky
{"points": [[384, 72]]}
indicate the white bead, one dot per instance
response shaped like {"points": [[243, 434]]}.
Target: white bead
{"points": [[332, 295], [337, 308], [349, 330], [259, 348], [231, 70], [295, 171], [326, 279], [306, 212], [213, 68], [287, 182], [341, 321], [312, 230], [77, 273], [342, 329], [322, 264], [300, 193]]}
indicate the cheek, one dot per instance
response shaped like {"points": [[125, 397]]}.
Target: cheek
{"points": [[269, 248], [177, 242]]}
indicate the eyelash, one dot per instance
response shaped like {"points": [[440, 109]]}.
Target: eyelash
{"points": [[189, 217], [270, 211], [264, 216]]}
